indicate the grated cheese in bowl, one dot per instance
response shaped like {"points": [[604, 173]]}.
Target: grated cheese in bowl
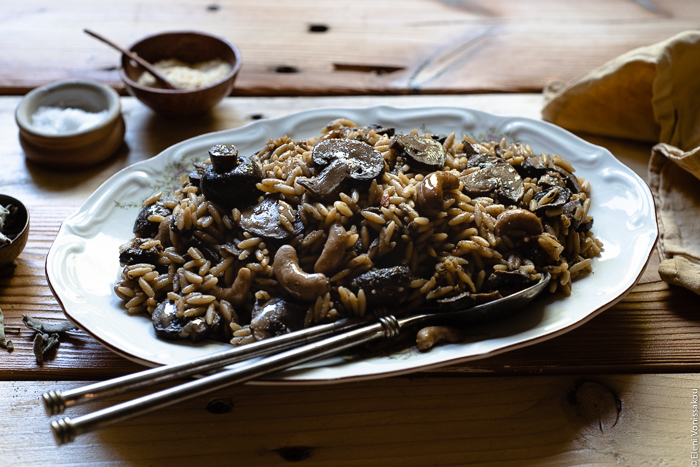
{"points": [[188, 76]]}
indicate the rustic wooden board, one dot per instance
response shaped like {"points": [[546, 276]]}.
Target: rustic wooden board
{"points": [[604, 420], [347, 47]]}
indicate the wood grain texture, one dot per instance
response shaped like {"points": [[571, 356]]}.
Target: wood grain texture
{"points": [[308, 47], [602, 420]]}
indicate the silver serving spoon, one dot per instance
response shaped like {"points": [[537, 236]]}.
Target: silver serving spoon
{"points": [[66, 429]]}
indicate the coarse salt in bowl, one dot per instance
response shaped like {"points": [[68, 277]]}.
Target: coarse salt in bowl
{"points": [[70, 124]]}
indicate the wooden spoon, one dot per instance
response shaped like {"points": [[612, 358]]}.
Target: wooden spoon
{"points": [[162, 80]]}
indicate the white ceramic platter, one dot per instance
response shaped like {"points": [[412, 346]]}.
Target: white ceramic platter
{"points": [[83, 266]]}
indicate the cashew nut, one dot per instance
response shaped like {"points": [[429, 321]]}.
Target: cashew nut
{"points": [[518, 222], [431, 335], [296, 281], [429, 192], [238, 292], [333, 252]]}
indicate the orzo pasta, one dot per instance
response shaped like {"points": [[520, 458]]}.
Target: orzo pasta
{"points": [[309, 231]]}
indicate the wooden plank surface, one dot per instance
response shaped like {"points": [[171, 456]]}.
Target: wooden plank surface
{"points": [[652, 330], [602, 420], [308, 47]]}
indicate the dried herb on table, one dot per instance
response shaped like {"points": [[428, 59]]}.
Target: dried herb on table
{"points": [[4, 343], [46, 334], [42, 343]]}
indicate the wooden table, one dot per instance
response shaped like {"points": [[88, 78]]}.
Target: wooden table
{"points": [[618, 390]]}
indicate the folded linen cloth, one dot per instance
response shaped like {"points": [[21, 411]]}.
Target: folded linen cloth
{"points": [[650, 94]]}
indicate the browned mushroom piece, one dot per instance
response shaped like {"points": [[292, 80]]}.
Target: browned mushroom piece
{"points": [[231, 179], [329, 182], [343, 160], [384, 286], [551, 201], [467, 300], [364, 161], [534, 166], [508, 282], [551, 179], [429, 193], [132, 253], [146, 228], [494, 176], [263, 220], [276, 316], [570, 209], [422, 149], [517, 223], [168, 326], [378, 129], [572, 182]]}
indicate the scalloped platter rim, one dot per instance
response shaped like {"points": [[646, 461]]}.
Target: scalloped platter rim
{"points": [[82, 265]]}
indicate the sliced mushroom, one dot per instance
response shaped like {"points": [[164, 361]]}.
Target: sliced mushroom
{"points": [[329, 182], [518, 222], [262, 220], [364, 162], [378, 129], [384, 286], [569, 210], [168, 326], [572, 182], [132, 253], [275, 317], [231, 178], [551, 201], [551, 179], [534, 166], [494, 176], [145, 228], [585, 226], [195, 177], [535, 253], [508, 282], [469, 148], [466, 300], [429, 193], [343, 160], [209, 252], [422, 149]]}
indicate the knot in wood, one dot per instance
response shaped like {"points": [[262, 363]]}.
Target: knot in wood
{"points": [[597, 405]]}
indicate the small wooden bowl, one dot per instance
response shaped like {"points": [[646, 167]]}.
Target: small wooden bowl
{"points": [[189, 47], [8, 253], [72, 149]]}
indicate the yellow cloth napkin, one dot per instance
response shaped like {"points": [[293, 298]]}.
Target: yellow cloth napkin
{"points": [[650, 94]]}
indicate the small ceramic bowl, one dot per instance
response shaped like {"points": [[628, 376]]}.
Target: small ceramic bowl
{"points": [[189, 47], [18, 228], [67, 146]]}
